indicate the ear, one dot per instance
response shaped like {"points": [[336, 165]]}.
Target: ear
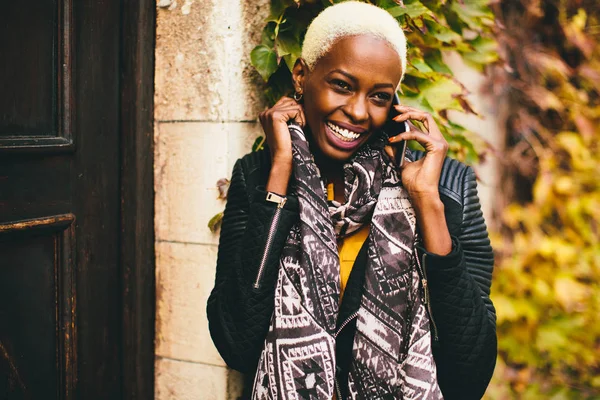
{"points": [[299, 74]]}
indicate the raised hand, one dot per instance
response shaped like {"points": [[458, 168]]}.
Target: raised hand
{"points": [[421, 178], [274, 123]]}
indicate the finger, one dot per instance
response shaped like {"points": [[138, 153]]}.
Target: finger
{"points": [[299, 117], [284, 110], [391, 151], [295, 112], [284, 100], [425, 140], [302, 117], [418, 115], [282, 103], [414, 115]]}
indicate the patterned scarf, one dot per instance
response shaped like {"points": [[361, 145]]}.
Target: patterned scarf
{"points": [[391, 355]]}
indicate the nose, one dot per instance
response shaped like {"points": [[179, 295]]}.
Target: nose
{"points": [[357, 109]]}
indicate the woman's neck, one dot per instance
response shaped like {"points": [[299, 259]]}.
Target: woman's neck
{"points": [[332, 172]]}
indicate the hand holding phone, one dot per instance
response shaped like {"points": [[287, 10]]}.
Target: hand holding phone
{"points": [[393, 128]]}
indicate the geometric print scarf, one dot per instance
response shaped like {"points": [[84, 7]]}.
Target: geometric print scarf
{"points": [[391, 354]]}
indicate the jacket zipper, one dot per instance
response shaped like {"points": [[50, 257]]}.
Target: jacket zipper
{"points": [[346, 322], [338, 390], [426, 296], [341, 328], [271, 235]]}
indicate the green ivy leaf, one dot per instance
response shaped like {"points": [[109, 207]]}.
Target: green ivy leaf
{"points": [[264, 60], [413, 9], [420, 65], [442, 93], [474, 13], [484, 51], [215, 222], [278, 8], [259, 143], [268, 35], [442, 33], [434, 59], [289, 48], [418, 102]]}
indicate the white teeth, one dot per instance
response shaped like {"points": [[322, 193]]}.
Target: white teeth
{"points": [[344, 133]]}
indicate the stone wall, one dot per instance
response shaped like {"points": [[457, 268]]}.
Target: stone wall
{"points": [[487, 126], [206, 103]]}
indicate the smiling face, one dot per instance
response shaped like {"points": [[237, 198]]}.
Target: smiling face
{"points": [[348, 94]]}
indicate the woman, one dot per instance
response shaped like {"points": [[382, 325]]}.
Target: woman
{"points": [[340, 273]]}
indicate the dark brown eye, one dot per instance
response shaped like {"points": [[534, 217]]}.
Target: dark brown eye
{"points": [[341, 85], [382, 96]]}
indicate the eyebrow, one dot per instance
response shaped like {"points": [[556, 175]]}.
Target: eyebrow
{"points": [[353, 79]]}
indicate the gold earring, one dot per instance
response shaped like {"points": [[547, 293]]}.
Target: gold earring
{"points": [[297, 95]]}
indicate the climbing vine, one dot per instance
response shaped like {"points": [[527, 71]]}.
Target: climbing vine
{"points": [[547, 282]]}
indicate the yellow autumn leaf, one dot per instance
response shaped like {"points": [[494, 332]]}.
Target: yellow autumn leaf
{"points": [[542, 188], [564, 185], [569, 293], [542, 289], [512, 215], [566, 253], [505, 310], [546, 247]]}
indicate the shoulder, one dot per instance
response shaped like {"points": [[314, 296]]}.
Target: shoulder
{"points": [[255, 160], [254, 167]]}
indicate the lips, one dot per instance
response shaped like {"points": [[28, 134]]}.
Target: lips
{"points": [[342, 136]]}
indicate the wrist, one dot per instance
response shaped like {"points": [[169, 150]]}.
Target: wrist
{"points": [[279, 177], [427, 201], [431, 220], [282, 161], [282, 158]]}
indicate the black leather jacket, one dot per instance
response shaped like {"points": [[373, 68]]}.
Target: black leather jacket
{"points": [[253, 233]]}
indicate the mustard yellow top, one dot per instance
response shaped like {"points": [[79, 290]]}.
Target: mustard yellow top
{"points": [[348, 248]]}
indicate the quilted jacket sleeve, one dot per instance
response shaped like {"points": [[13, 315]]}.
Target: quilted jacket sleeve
{"points": [[459, 283], [239, 314]]}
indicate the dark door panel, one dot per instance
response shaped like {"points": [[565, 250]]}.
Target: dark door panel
{"points": [[37, 345], [28, 72], [76, 199], [36, 87], [34, 186]]}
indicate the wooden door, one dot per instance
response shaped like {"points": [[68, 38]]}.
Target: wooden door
{"points": [[76, 264]]}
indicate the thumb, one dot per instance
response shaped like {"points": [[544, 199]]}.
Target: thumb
{"points": [[390, 151]]}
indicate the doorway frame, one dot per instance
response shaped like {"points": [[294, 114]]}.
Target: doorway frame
{"points": [[137, 47]]}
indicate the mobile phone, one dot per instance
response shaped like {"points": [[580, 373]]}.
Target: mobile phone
{"points": [[393, 128]]}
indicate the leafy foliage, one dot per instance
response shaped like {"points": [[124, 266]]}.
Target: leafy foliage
{"points": [[547, 283], [432, 27]]}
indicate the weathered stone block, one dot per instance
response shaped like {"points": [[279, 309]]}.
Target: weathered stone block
{"points": [[185, 275], [190, 158], [177, 380], [203, 69], [190, 64]]}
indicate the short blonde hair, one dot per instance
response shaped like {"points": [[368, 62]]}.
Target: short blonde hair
{"points": [[351, 18]]}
